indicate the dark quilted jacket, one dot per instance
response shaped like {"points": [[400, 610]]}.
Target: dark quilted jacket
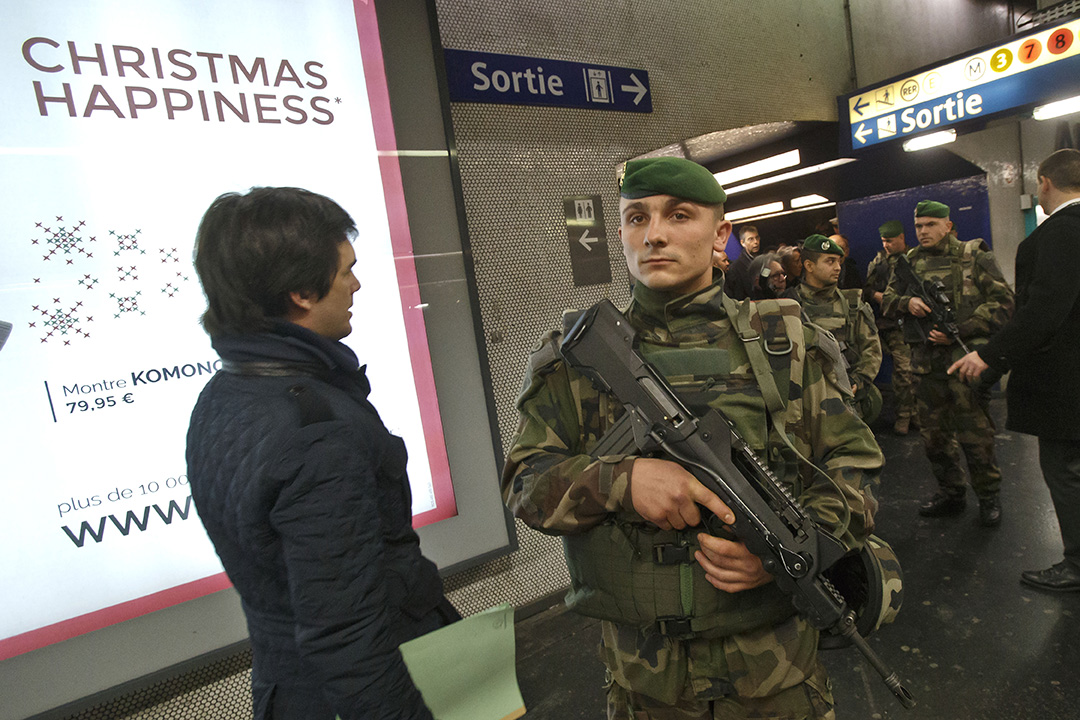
{"points": [[304, 494]]}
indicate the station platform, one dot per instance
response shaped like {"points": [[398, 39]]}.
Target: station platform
{"points": [[970, 643]]}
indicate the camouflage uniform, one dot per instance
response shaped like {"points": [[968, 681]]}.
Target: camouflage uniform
{"points": [[553, 485], [892, 337], [953, 414], [850, 321]]}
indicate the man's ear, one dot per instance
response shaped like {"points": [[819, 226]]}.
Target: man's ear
{"points": [[1045, 185], [723, 232], [303, 300]]}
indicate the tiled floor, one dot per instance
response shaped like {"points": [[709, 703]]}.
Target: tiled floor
{"points": [[971, 643]]}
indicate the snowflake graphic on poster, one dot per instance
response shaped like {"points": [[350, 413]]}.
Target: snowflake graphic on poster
{"points": [[64, 239], [127, 242], [127, 303], [125, 283], [58, 323]]}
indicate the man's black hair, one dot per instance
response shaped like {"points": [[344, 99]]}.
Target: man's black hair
{"points": [[252, 250]]}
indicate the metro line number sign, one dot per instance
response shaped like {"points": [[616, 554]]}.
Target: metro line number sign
{"points": [[1032, 69]]}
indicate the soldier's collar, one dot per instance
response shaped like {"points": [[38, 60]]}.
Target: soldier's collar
{"points": [[662, 306]]}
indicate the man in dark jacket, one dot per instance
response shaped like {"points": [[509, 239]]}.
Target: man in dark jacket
{"points": [[1042, 347], [301, 488], [739, 283]]}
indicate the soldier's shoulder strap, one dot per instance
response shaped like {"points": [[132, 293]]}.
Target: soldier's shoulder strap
{"points": [[769, 330], [855, 306], [965, 265]]}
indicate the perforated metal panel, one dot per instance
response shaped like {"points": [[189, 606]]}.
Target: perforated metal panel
{"points": [[219, 691]]}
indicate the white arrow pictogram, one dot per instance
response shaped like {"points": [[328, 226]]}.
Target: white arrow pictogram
{"points": [[585, 240], [637, 87], [862, 132]]}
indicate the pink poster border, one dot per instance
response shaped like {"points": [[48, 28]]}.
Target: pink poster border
{"points": [[419, 353]]}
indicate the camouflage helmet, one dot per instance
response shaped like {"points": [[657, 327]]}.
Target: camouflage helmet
{"points": [[872, 583]]}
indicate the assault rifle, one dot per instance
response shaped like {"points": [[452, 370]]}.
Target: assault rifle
{"points": [[931, 292], [792, 547]]}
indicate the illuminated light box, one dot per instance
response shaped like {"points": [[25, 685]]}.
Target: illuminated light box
{"points": [[122, 121]]}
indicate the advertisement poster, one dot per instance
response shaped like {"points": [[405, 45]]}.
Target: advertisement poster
{"points": [[122, 121]]}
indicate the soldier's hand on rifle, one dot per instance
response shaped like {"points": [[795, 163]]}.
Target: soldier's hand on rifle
{"points": [[728, 565], [917, 307], [939, 338], [969, 367], [667, 495]]}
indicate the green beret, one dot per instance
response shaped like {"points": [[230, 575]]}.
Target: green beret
{"points": [[822, 244], [891, 229], [673, 176], [929, 208]]}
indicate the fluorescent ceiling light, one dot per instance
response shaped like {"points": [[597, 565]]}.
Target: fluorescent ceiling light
{"points": [[766, 216], [788, 176], [754, 211], [1057, 109], [760, 167], [807, 200], [931, 140]]}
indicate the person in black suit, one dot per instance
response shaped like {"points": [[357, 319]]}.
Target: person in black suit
{"points": [[1041, 345]]}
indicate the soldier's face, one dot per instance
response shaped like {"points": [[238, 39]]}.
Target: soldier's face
{"points": [[669, 242], [930, 231], [826, 271], [894, 245]]}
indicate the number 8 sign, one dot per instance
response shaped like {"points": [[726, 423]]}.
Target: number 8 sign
{"points": [[1060, 41]]}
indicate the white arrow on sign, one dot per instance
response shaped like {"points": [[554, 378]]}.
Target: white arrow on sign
{"points": [[862, 132], [637, 87], [585, 240]]}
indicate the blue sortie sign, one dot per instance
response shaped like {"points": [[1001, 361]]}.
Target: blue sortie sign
{"points": [[1036, 85], [515, 80]]}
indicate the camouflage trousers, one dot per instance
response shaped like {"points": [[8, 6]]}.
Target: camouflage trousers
{"points": [[903, 378], [771, 673], [954, 415]]}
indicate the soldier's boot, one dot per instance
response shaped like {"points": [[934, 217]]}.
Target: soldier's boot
{"points": [[942, 505], [990, 511], [902, 425]]}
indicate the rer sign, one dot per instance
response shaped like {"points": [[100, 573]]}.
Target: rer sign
{"points": [[515, 80]]}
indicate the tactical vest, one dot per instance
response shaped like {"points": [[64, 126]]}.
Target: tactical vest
{"points": [[632, 573], [956, 271], [841, 326]]}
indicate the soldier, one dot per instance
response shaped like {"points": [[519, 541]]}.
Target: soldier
{"points": [[953, 414], [845, 315], [737, 648], [892, 337]]}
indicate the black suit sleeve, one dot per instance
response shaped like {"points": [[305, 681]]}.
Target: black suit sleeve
{"points": [[1047, 297]]}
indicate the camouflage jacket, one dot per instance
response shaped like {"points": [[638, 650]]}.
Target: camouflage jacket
{"points": [[878, 273], [981, 299], [554, 486], [850, 321]]}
